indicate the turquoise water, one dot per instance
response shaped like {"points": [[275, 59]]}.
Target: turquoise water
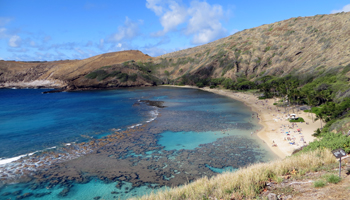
{"points": [[222, 170], [188, 140], [91, 190], [211, 130]]}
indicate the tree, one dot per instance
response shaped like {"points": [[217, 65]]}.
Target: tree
{"points": [[319, 115]]}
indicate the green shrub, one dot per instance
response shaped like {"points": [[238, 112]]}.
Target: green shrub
{"points": [[166, 73], [346, 69], [123, 77], [319, 183], [114, 73], [99, 74], [331, 141], [300, 119], [133, 77], [91, 75], [200, 84], [333, 179], [288, 33]]}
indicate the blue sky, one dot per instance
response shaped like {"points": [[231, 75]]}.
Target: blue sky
{"points": [[66, 29]]}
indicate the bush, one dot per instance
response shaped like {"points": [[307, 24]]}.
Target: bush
{"points": [[200, 84], [123, 77], [319, 183], [114, 73], [133, 77], [331, 141], [333, 179], [300, 119], [99, 74], [166, 73]]}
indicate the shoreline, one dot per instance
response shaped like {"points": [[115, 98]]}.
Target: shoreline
{"points": [[274, 122]]}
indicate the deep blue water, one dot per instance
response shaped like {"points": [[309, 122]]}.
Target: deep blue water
{"points": [[32, 121]]}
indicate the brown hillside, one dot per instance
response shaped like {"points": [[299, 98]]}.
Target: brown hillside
{"points": [[74, 69], [60, 73], [301, 45]]}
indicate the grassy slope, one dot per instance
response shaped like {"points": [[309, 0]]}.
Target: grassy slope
{"points": [[250, 181]]}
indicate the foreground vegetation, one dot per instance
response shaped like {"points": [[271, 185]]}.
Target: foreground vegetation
{"points": [[249, 182]]}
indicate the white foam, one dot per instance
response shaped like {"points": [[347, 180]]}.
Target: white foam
{"points": [[154, 114], [9, 160]]}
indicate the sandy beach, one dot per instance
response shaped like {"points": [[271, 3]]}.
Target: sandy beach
{"points": [[281, 136]]}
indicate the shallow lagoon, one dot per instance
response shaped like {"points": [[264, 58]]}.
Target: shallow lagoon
{"points": [[194, 124]]}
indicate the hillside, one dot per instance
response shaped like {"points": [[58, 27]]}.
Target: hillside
{"points": [[69, 74], [301, 45]]}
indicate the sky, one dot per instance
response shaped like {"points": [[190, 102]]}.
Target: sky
{"points": [[42, 30]]}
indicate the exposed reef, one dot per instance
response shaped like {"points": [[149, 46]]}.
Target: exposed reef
{"points": [[135, 156]]}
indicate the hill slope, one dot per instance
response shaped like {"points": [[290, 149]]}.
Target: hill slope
{"points": [[69, 73], [302, 45]]}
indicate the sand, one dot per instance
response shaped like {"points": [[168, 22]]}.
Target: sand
{"points": [[274, 122]]}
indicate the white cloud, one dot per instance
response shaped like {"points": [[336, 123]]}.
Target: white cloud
{"points": [[174, 16], [346, 8], [129, 30], [154, 51], [15, 41], [205, 22], [152, 5], [201, 19], [81, 52]]}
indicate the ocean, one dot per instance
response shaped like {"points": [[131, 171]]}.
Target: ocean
{"points": [[117, 144]]}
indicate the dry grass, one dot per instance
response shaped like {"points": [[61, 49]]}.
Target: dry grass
{"points": [[247, 182]]}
